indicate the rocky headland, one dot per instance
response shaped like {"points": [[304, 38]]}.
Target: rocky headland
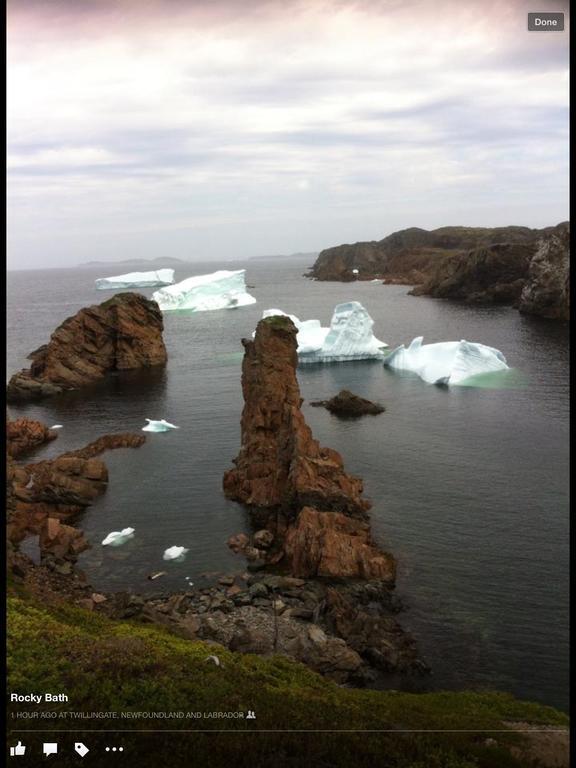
{"points": [[123, 333], [518, 266]]}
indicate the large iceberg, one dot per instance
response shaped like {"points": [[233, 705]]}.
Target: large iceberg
{"points": [[136, 280], [220, 290], [349, 336], [447, 362]]}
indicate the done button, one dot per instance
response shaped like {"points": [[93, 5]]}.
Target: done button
{"points": [[545, 22]]}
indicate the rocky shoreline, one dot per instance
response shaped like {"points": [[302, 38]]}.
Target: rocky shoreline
{"points": [[316, 586], [516, 266]]}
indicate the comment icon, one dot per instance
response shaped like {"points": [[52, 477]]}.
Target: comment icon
{"points": [[50, 748]]}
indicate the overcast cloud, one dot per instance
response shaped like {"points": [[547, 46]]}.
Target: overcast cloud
{"points": [[229, 129]]}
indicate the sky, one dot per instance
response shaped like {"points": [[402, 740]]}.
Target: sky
{"points": [[226, 129]]}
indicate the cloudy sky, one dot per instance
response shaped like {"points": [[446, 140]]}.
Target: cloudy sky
{"points": [[233, 128]]}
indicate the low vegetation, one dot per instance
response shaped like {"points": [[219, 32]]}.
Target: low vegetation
{"points": [[302, 719]]}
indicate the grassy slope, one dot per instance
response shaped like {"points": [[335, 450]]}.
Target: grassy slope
{"points": [[117, 666]]}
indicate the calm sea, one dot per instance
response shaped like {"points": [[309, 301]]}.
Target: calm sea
{"points": [[469, 486]]}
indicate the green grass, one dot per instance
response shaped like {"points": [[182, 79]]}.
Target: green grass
{"points": [[120, 666]]}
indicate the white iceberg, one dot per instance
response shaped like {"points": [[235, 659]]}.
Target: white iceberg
{"points": [[448, 362], [136, 280], [116, 538], [175, 553], [158, 426], [220, 290], [349, 336]]}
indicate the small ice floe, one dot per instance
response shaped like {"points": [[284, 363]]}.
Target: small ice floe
{"points": [[154, 576], [158, 426], [56, 426], [214, 659], [175, 553], [117, 538]]}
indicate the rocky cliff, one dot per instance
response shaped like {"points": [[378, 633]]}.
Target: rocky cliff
{"points": [[297, 489], [546, 291], [490, 274], [122, 333]]}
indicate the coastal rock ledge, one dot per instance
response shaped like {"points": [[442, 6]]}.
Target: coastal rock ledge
{"points": [[122, 333]]}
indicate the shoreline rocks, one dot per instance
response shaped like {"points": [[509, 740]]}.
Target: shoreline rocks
{"points": [[24, 435], [123, 333]]}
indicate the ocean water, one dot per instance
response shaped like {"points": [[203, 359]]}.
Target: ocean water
{"points": [[469, 485]]}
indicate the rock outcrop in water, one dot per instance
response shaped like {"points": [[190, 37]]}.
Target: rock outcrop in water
{"points": [[296, 488], [349, 405], [546, 292], [25, 435], [123, 333], [59, 489]]}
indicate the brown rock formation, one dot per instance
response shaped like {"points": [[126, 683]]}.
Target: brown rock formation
{"points": [[313, 507], [546, 292], [60, 488], [347, 404], [280, 464], [333, 545], [25, 435], [122, 333]]}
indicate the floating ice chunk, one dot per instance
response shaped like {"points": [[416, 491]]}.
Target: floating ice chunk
{"points": [[116, 538], [56, 426], [448, 362], [349, 337], [219, 290], [158, 426], [136, 280], [175, 553]]}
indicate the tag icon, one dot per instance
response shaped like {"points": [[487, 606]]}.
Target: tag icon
{"points": [[82, 749]]}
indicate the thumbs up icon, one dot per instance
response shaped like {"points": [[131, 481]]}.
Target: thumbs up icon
{"points": [[19, 749]]}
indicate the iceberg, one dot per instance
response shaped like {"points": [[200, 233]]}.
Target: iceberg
{"points": [[175, 553], [136, 280], [116, 538], [349, 336], [448, 362], [158, 426], [220, 290]]}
